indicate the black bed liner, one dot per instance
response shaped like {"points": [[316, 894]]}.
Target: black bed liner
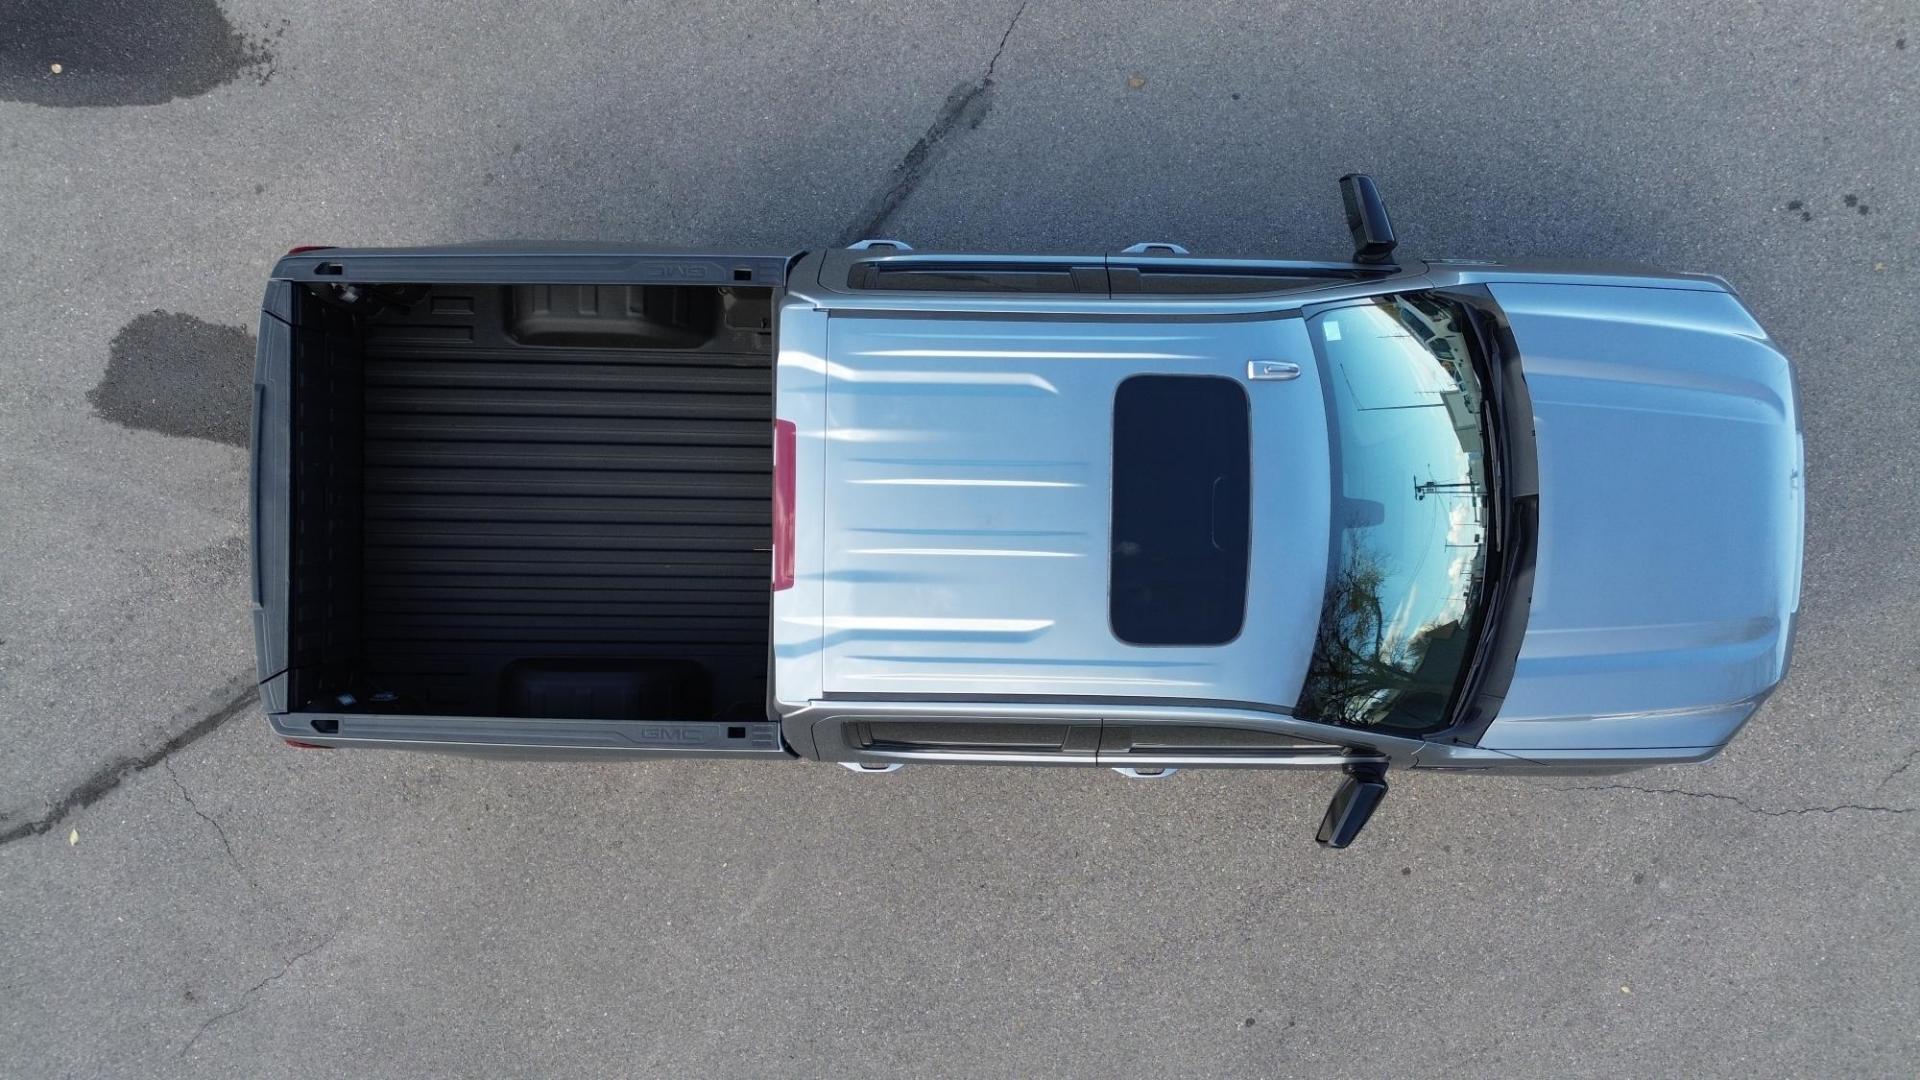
{"points": [[535, 504], [518, 513]]}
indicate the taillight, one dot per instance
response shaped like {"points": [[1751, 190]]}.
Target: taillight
{"points": [[783, 488], [298, 745], [309, 247]]}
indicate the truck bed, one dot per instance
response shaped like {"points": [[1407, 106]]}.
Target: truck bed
{"points": [[553, 519]]}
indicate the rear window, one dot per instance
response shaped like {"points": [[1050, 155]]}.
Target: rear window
{"points": [[1180, 510]]}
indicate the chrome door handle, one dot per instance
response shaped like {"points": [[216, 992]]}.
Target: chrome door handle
{"points": [[1272, 369]]}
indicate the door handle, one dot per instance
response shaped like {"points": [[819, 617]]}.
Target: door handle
{"points": [[1272, 369]]}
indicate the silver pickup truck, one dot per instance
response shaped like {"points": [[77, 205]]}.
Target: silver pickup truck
{"points": [[1144, 511]]}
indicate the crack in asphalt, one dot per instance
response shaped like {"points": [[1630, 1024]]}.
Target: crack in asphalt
{"points": [[1905, 764], [968, 104], [1742, 803], [102, 781], [246, 996], [225, 843], [994, 60]]}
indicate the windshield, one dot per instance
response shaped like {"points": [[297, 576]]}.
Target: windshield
{"points": [[1410, 514]]}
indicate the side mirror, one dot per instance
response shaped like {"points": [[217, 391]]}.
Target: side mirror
{"points": [[1373, 241], [1353, 804]]}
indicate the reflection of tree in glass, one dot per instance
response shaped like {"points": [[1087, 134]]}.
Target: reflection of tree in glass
{"points": [[1360, 673], [1393, 636]]}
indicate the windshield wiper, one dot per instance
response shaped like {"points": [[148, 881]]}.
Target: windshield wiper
{"points": [[1500, 619]]}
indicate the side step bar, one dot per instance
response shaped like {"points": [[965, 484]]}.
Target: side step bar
{"points": [[1361, 790]]}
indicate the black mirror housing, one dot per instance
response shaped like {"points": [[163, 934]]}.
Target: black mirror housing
{"points": [[1367, 221], [1359, 795]]}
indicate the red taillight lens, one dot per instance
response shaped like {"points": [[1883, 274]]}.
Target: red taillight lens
{"points": [[783, 488], [309, 247], [298, 745]]}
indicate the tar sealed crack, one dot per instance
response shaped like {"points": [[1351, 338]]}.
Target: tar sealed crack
{"points": [[102, 781], [1744, 804], [179, 375], [964, 110], [122, 52]]}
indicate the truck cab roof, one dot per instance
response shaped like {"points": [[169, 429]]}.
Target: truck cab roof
{"points": [[976, 532]]}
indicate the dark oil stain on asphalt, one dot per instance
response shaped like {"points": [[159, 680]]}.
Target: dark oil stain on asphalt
{"points": [[179, 375], [121, 52], [103, 780], [965, 109]]}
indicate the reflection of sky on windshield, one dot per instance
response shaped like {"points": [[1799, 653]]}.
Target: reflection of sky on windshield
{"points": [[1399, 408]]}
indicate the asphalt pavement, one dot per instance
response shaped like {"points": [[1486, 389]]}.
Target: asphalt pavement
{"points": [[182, 895]]}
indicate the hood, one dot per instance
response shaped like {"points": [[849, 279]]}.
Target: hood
{"points": [[1668, 568]]}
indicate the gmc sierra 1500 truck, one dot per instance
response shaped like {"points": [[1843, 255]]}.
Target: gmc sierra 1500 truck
{"points": [[1144, 510]]}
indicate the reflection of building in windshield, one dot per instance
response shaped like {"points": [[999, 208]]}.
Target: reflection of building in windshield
{"points": [[1463, 413], [1433, 326], [1466, 516], [1396, 622], [1437, 653]]}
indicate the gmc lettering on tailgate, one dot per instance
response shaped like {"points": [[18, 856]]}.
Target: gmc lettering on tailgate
{"points": [[673, 733]]}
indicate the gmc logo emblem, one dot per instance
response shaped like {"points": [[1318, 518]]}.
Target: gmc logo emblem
{"points": [[672, 733], [678, 271]]}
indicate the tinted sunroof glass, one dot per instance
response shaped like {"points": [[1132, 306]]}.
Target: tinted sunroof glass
{"points": [[1180, 491]]}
